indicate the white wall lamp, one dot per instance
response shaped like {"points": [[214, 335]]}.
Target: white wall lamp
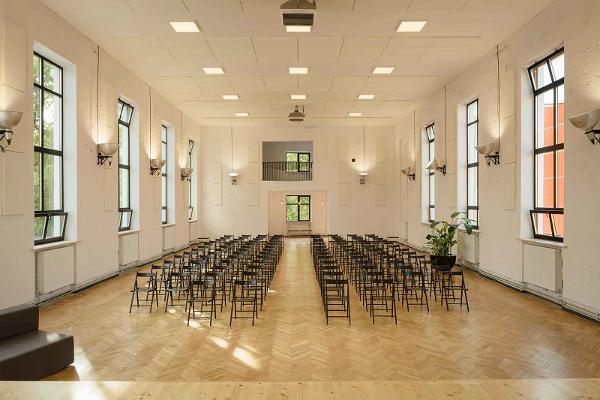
{"points": [[410, 174], [186, 174], [588, 123], [105, 152], [433, 166], [8, 120], [490, 151], [155, 165], [363, 177], [233, 175]]}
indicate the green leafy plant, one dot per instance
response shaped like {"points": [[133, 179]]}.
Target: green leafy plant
{"points": [[444, 236]]}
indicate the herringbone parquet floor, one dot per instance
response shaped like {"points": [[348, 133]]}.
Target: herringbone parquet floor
{"points": [[507, 335]]}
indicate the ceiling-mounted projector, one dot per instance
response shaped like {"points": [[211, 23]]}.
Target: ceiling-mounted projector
{"points": [[296, 115], [298, 15]]}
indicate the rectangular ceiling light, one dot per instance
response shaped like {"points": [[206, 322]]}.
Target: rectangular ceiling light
{"points": [[298, 70], [185, 26], [298, 97], [241, 114], [298, 28], [383, 70], [213, 70], [355, 114], [411, 26], [366, 97], [231, 97]]}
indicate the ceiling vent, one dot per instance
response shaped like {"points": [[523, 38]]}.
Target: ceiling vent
{"points": [[296, 115], [299, 12]]}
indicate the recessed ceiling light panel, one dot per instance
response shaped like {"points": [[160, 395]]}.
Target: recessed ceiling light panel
{"points": [[355, 114], [298, 70], [185, 26], [366, 97], [383, 70], [411, 26], [298, 96], [298, 28], [241, 114], [213, 70], [231, 97]]}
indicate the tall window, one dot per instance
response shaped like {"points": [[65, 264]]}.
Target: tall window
{"points": [[297, 161], [473, 162], [430, 136], [125, 112], [547, 80], [297, 208], [164, 173], [50, 217], [190, 186]]}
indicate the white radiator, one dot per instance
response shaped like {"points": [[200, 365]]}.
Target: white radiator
{"points": [[468, 247], [193, 230], [129, 248], [168, 238], [542, 267], [55, 269]]}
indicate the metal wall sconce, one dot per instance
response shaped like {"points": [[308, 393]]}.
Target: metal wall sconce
{"points": [[8, 120], [410, 174], [363, 177], [433, 166], [587, 123], [186, 174], [234, 177], [105, 152], [490, 152], [155, 165]]}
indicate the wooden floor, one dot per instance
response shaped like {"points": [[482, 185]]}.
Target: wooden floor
{"points": [[506, 336]]}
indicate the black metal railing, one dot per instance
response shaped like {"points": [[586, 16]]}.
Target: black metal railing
{"points": [[287, 171]]}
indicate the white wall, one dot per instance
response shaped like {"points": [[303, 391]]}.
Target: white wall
{"points": [[243, 208], [93, 224], [505, 190]]}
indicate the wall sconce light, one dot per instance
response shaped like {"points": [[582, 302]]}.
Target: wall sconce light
{"points": [[587, 122], [8, 120], [105, 152], [363, 177], [433, 166], [155, 165], [186, 174], [234, 177], [490, 151], [410, 174]]}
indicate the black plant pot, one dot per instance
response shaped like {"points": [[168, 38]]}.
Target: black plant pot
{"points": [[442, 263]]}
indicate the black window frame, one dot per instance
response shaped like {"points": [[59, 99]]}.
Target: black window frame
{"points": [[431, 174], [165, 173], [40, 149], [475, 164], [555, 148], [191, 145], [298, 204], [296, 166], [124, 211]]}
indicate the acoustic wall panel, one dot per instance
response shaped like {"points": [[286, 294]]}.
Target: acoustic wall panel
{"points": [[344, 194], [253, 172], [343, 172], [342, 150], [380, 195], [253, 194], [253, 152], [381, 146]]}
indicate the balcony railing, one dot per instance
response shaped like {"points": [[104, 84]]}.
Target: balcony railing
{"points": [[287, 171]]}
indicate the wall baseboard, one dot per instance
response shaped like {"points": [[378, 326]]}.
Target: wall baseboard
{"points": [[581, 309]]}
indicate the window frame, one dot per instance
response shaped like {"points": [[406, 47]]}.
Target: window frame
{"points": [[554, 149], [124, 210], [298, 154], [474, 165], [165, 173], [191, 145], [42, 213], [298, 204], [431, 174]]}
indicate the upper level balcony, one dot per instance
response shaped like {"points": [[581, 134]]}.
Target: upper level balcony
{"points": [[287, 171]]}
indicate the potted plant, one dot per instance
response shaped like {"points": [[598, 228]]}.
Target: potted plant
{"points": [[444, 238]]}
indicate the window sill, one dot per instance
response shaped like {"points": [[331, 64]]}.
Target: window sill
{"points": [[167, 225], [54, 245], [129, 232], [544, 243], [297, 222], [192, 220]]}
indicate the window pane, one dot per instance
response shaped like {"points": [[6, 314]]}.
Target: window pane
{"points": [[123, 145], [544, 119], [291, 157], [37, 114], [37, 187], [125, 220], [304, 157], [52, 182], [541, 76], [304, 212], [38, 227], [291, 213], [431, 189], [292, 199], [55, 226], [560, 117], [559, 224], [558, 66], [37, 69], [52, 120], [432, 214], [544, 169], [560, 179], [472, 112], [541, 224], [52, 77], [472, 141], [430, 130], [123, 188], [431, 151], [472, 187], [164, 216], [164, 191], [304, 199], [125, 114], [163, 133], [473, 216]]}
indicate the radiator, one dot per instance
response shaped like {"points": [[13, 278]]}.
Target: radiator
{"points": [[542, 267], [129, 248], [55, 269], [168, 238]]}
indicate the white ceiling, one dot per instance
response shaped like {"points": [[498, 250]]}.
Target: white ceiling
{"points": [[247, 39]]}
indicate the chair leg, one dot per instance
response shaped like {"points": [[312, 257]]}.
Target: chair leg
{"points": [[131, 303]]}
